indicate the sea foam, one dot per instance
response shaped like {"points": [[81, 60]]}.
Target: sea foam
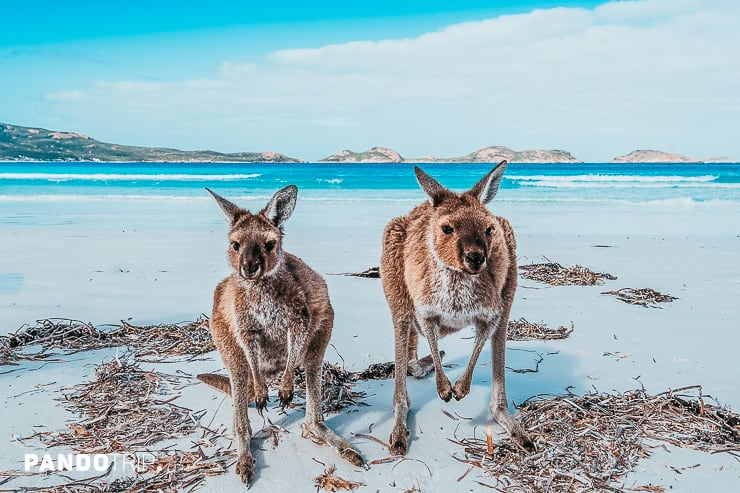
{"points": [[59, 177]]}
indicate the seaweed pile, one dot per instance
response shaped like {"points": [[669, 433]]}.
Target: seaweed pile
{"points": [[555, 274], [128, 411], [157, 342], [371, 272], [524, 330], [646, 297], [589, 442]]}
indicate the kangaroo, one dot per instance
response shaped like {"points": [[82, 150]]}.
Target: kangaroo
{"points": [[449, 264], [270, 316]]}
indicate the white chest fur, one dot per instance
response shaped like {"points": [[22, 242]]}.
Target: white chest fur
{"points": [[268, 313], [457, 300]]}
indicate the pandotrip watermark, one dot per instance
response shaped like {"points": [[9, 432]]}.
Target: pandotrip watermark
{"points": [[136, 463]]}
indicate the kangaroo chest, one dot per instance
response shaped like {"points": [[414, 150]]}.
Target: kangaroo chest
{"points": [[268, 317], [458, 300], [272, 312]]}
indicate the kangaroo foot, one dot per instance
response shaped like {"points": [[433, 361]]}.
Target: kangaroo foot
{"points": [[399, 440], [245, 469], [514, 429], [352, 456], [523, 439], [444, 388], [461, 389]]}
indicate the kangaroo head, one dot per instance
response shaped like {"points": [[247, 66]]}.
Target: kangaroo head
{"points": [[255, 240], [462, 229]]}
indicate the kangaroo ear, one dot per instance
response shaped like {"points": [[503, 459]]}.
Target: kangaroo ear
{"points": [[230, 209], [430, 186], [281, 205], [485, 190]]}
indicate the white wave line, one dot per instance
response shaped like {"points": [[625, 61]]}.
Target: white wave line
{"points": [[682, 201], [564, 184], [612, 178], [57, 177]]}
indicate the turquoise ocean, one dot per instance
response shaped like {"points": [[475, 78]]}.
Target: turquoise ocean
{"points": [[55, 200], [588, 183]]}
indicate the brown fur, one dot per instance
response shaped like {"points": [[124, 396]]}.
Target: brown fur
{"points": [[271, 316], [448, 264]]}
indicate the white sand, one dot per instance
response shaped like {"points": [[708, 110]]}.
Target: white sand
{"points": [[158, 261]]}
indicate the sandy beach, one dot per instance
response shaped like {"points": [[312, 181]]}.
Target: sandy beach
{"points": [[153, 260], [618, 124]]}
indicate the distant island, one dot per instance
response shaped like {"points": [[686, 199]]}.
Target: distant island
{"points": [[373, 155], [648, 156], [492, 154], [19, 143], [37, 144]]}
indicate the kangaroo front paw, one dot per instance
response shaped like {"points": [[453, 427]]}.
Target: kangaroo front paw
{"points": [[285, 396], [444, 388], [399, 440], [245, 468], [352, 456], [461, 389], [261, 403]]}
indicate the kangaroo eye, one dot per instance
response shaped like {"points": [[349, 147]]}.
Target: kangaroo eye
{"points": [[270, 245], [447, 229], [489, 230], [235, 245]]}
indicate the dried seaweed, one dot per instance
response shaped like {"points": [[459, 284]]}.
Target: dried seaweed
{"points": [[371, 272], [159, 341], [174, 471], [337, 388], [328, 481], [170, 471], [124, 408], [376, 371], [125, 411], [646, 297], [555, 274], [167, 471], [524, 330], [588, 443]]}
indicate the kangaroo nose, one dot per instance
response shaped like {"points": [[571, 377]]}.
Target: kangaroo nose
{"points": [[251, 267], [475, 259]]}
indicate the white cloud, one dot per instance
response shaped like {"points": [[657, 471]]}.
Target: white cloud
{"points": [[640, 74]]}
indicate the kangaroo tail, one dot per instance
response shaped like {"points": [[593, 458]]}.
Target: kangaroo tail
{"points": [[218, 382]]}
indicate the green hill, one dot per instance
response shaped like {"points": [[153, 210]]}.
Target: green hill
{"points": [[37, 144]]}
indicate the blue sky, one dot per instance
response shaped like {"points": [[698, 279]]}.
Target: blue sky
{"points": [[595, 78]]}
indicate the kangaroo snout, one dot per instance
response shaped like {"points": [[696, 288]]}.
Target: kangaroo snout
{"points": [[475, 260], [250, 268]]}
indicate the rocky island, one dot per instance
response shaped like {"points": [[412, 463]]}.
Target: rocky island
{"points": [[19, 143], [650, 156], [492, 154], [37, 144], [373, 155]]}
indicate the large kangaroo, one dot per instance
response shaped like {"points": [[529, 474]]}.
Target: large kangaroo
{"points": [[270, 316], [446, 265]]}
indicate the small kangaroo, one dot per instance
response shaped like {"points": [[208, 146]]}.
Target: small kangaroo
{"points": [[271, 315], [446, 265]]}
